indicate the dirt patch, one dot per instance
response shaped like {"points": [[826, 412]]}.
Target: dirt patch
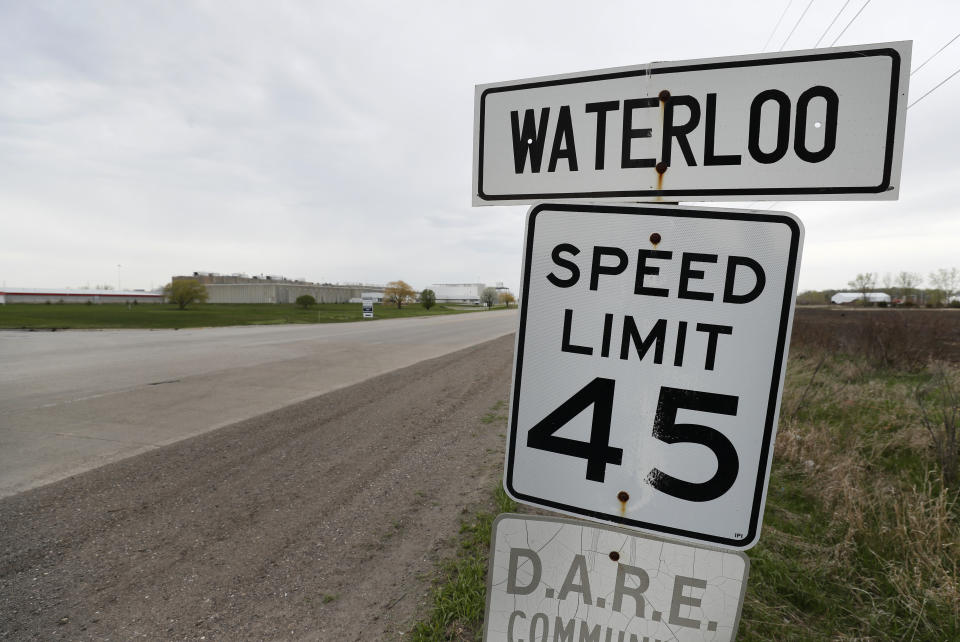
{"points": [[322, 520]]}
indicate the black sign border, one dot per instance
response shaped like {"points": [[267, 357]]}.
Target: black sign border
{"points": [[768, 191], [781, 349]]}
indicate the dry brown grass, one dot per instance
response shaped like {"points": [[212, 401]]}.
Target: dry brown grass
{"points": [[861, 535]]}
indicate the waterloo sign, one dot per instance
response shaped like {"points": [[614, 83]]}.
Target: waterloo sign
{"points": [[823, 124], [648, 366]]}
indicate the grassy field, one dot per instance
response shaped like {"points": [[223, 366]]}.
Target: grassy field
{"points": [[111, 315], [861, 535]]}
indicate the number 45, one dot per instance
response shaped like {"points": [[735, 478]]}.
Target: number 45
{"points": [[598, 452]]}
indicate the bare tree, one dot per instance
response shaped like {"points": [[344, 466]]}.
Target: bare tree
{"points": [[908, 282], [945, 282], [864, 283]]}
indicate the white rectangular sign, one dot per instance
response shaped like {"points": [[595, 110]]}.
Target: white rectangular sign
{"points": [[649, 364], [560, 579], [821, 124]]}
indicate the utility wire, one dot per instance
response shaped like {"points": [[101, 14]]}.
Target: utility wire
{"points": [[831, 24], [850, 23], [777, 26], [790, 35], [935, 55], [934, 89]]}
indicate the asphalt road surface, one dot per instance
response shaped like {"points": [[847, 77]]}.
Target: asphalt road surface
{"points": [[72, 401], [321, 520]]}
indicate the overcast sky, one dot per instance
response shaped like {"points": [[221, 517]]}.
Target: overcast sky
{"points": [[332, 140]]}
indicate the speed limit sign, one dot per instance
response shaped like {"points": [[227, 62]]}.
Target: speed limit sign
{"points": [[649, 364]]}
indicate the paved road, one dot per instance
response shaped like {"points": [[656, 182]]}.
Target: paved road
{"points": [[71, 401], [322, 520]]}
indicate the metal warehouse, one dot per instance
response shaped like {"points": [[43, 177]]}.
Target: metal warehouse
{"points": [[239, 288], [458, 292], [45, 295]]}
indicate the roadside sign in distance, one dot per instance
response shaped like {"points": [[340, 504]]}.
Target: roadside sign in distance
{"points": [[820, 124], [649, 363], [560, 579]]}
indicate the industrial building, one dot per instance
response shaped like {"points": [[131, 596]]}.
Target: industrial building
{"points": [[240, 288], [47, 295], [850, 297], [468, 293]]}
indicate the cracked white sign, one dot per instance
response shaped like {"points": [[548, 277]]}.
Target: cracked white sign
{"points": [[560, 579]]}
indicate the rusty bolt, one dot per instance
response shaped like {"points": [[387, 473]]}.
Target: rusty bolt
{"points": [[623, 496], [661, 167], [664, 95], [615, 556], [655, 238]]}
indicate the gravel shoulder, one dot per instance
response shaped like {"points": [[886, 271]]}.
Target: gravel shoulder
{"points": [[322, 520]]}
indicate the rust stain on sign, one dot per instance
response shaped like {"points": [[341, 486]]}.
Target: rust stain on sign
{"points": [[623, 496]]}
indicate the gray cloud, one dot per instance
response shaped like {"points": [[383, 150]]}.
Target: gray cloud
{"points": [[333, 141]]}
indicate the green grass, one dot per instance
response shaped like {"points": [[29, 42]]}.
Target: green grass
{"points": [[159, 316], [459, 600], [495, 414]]}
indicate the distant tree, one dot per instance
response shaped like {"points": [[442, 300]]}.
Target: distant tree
{"points": [[305, 301], [398, 292], [428, 299], [908, 282], [863, 284], [488, 297], [183, 292], [887, 282], [945, 282], [506, 298], [813, 297]]}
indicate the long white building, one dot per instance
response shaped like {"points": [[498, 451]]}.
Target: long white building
{"points": [[64, 295], [468, 293]]}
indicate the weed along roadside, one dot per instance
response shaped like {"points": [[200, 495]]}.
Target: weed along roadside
{"points": [[652, 349], [861, 531]]}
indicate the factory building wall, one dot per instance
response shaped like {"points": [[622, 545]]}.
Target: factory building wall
{"points": [[78, 297], [278, 293]]}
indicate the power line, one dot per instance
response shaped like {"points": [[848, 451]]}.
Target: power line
{"points": [[934, 89], [790, 35], [850, 23], [777, 26], [831, 24], [934, 55]]}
